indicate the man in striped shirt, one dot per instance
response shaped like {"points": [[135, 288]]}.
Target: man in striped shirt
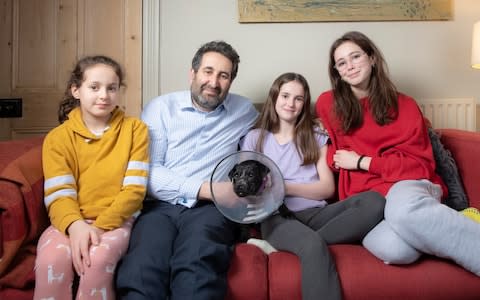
{"points": [[181, 244]]}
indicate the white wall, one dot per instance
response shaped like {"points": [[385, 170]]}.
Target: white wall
{"points": [[428, 59]]}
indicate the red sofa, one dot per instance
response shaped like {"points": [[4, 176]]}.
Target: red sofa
{"points": [[253, 275]]}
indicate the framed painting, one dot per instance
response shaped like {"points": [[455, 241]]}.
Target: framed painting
{"points": [[271, 11]]}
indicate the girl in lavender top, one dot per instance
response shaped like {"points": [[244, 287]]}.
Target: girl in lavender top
{"points": [[286, 132]]}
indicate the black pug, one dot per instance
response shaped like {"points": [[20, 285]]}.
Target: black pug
{"points": [[249, 178]]}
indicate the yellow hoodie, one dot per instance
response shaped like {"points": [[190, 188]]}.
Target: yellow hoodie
{"points": [[101, 178]]}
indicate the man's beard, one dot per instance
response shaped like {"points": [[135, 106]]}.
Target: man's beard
{"points": [[210, 103]]}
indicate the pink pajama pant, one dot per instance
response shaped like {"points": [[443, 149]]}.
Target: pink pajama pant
{"points": [[54, 270]]}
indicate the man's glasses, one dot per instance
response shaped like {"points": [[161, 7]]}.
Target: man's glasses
{"points": [[355, 58]]}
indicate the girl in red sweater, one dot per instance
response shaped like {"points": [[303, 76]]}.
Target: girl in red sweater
{"points": [[380, 143]]}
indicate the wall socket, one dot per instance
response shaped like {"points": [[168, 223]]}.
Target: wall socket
{"points": [[10, 107]]}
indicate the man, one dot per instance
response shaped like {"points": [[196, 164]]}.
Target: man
{"points": [[181, 245]]}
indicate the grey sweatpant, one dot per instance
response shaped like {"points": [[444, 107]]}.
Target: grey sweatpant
{"points": [[416, 221], [308, 234]]}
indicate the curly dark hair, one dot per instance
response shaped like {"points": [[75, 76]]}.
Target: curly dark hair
{"points": [[69, 102]]}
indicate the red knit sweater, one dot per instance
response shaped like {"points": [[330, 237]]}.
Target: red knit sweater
{"points": [[400, 150]]}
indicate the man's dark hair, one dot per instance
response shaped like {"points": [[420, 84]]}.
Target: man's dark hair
{"points": [[220, 47]]}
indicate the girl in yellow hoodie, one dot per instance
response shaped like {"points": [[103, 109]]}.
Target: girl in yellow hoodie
{"points": [[95, 165]]}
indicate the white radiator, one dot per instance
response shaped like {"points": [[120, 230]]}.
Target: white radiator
{"points": [[458, 113]]}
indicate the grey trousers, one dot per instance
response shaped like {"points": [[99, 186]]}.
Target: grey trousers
{"points": [[308, 234], [416, 222]]}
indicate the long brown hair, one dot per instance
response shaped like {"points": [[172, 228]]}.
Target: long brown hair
{"points": [[268, 120], [383, 99], [69, 102]]}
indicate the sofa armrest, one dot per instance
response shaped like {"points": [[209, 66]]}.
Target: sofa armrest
{"points": [[17, 257], [465, 148], [13, 228], [23, 215]]}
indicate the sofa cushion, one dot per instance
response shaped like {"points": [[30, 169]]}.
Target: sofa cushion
{"points": [[284, 287], [464, 146], [446, 167], [363, 277], [247, 276]]}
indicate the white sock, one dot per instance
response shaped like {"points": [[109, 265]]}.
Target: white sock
{"points": [[262, 244]]}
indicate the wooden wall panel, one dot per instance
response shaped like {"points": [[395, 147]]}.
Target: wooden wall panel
{"points": [[44, 49], [66, 46], [44, 44], [34, 33], [39, 111], [113, 28], [46, 37], [6, 13], [101, 28], [5, 47], [133, 57]]}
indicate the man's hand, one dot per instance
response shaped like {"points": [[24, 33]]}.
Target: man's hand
{"points": [[204, 192], [224, 194]]}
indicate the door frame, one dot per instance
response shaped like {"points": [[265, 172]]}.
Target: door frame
{"points": [[151, 50]]}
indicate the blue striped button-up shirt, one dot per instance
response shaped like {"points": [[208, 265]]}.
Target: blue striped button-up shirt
{"points": [[186, 144]]}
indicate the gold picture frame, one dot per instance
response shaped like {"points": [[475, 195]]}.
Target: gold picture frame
{"points": [[272, 11]]}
